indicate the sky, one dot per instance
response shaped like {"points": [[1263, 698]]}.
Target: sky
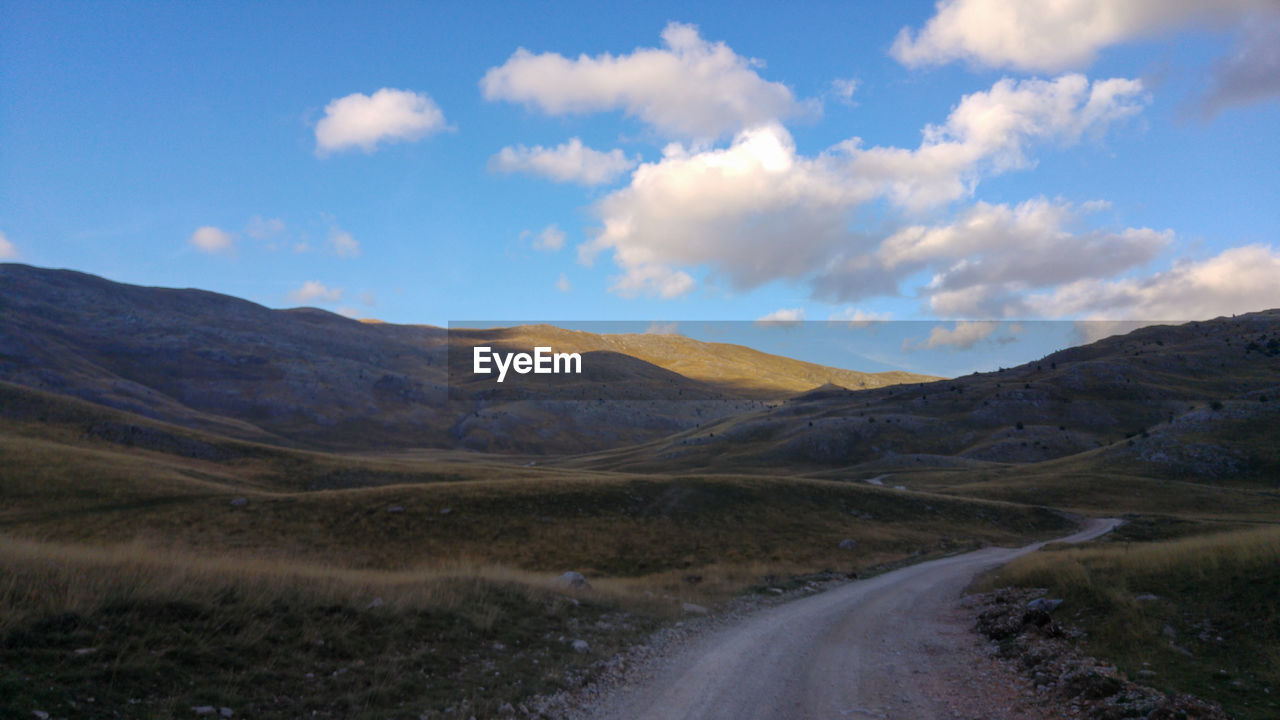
{"points": [[431, 162]]}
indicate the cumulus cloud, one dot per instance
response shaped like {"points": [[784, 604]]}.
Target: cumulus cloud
{"points": [[689, 88], [1237, 280], [315, 291], [990, 256], [962, 336], [785, 317], [209, 239], [342, 244], [260, 228], [1251, 73], [568, 162], [551, 238], [562, 283], [1051, 35], [990, 132], [362, 121], [8, 251], [757, 211]]}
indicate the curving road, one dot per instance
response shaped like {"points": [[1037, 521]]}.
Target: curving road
{"points": [[882, 648]]}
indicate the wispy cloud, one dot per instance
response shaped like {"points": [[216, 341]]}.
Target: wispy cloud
{"points": [[568, 162]]}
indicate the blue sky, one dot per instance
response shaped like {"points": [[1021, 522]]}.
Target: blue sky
{"points": [[732, 161]]}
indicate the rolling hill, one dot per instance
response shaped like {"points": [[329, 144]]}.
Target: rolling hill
{"points": [[309, 378]]}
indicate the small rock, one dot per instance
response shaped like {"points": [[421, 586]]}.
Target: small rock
{"points": [[86, 651], [239, 502], [574, 580], [507, 709], [1044, 604], [692, 609], [848, 544], [204, 710], [377, 603], [1146, 597], [446, 511], [226, 712], [499, 646], [40, 714], [395, 509], [581, 646]]}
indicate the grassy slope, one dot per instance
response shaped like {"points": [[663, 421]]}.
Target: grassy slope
{"points": [[1213, 628]]}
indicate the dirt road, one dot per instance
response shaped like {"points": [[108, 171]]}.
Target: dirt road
{"points": [[888, 647]]}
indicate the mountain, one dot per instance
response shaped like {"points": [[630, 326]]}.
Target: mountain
{"points": [[311, 378], [1197, 400]]}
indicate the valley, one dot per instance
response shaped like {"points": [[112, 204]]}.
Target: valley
{"points": [[289, 512]]}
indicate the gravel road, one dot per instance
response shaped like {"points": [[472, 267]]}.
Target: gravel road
{"points": [[886, 648]]}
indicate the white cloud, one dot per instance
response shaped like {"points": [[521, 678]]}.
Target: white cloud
{"points": [[786, 317], [562, 283], [568, 162], [261, 228], [842, 89], [551, 238], [8, 251], [314, 291], [363, 121], [962, 336], [342, 244], [690, 88], [367, 299], [990, 131], [1237, 280], [857, 317], [1251, 73], [757, 211], [210, 239], [1051, 35], [992, 255], [652, 280]]}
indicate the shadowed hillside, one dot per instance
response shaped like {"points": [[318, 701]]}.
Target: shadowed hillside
{"points": [[1196, 400], [306, 377]]}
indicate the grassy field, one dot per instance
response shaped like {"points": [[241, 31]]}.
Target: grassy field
{"points": [[135, 632], [128, 575], [1196, 614]]}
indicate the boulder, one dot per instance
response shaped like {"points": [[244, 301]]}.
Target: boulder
{"points": [[573, 579], [581, 646], [1046, 605], [692, 609], [239, 502], [848, 544]]}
